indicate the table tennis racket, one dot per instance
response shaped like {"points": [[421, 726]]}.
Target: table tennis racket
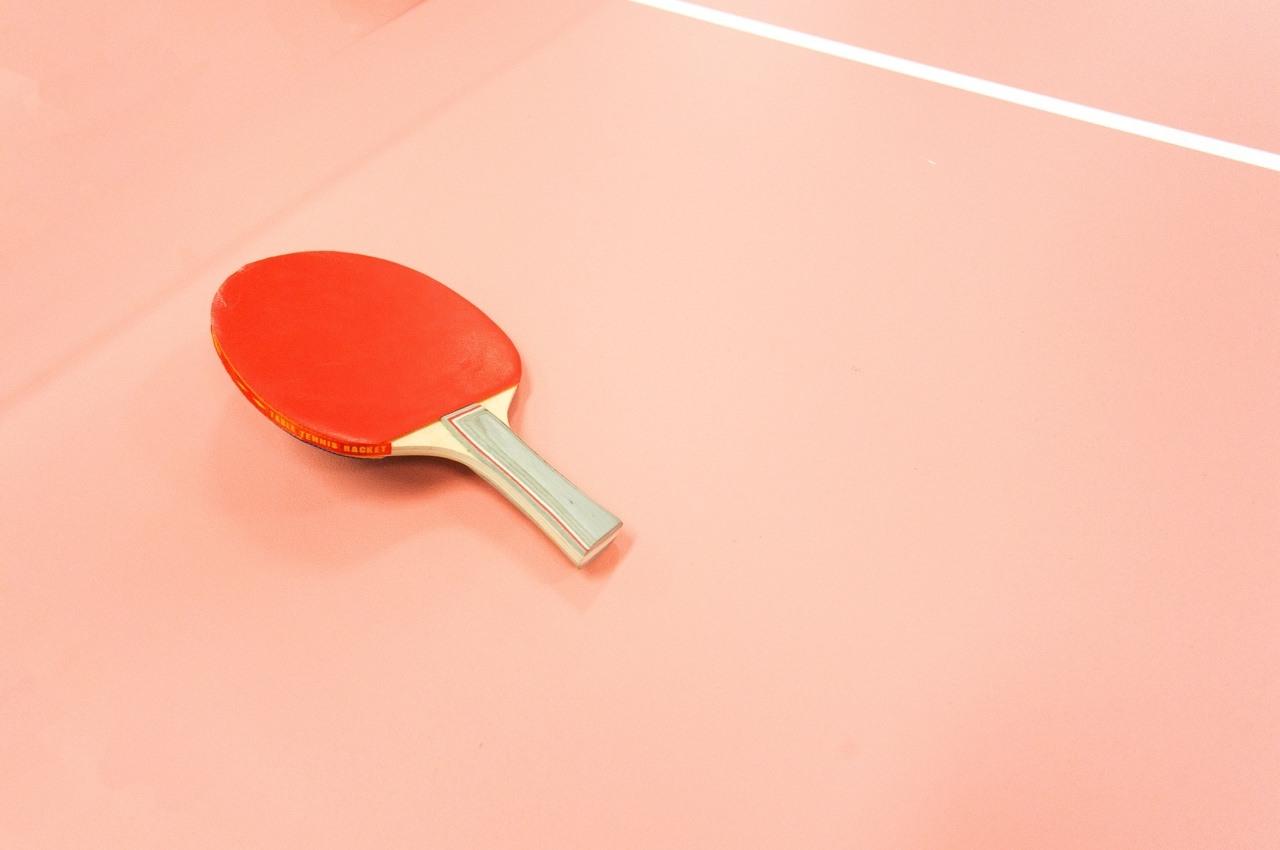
{"points": [[367, 358]]}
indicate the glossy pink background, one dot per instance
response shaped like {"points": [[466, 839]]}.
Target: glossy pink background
{"points": [[944, 431]]}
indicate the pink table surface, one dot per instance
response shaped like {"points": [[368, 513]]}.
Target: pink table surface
{"points": [[945, 433]]}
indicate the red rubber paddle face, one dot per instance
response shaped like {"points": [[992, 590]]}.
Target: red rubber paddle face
{"points": [[349, 352]]}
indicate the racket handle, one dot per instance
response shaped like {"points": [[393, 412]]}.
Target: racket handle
{"points": [[573, 521]]}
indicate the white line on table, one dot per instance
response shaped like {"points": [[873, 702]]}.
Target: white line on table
{"points": [[976, 85]]}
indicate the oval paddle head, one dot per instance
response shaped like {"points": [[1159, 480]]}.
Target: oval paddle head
{"points": [[349, 352]]}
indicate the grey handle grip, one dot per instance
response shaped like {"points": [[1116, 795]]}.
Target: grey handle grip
{"points": [[579, 526]]}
